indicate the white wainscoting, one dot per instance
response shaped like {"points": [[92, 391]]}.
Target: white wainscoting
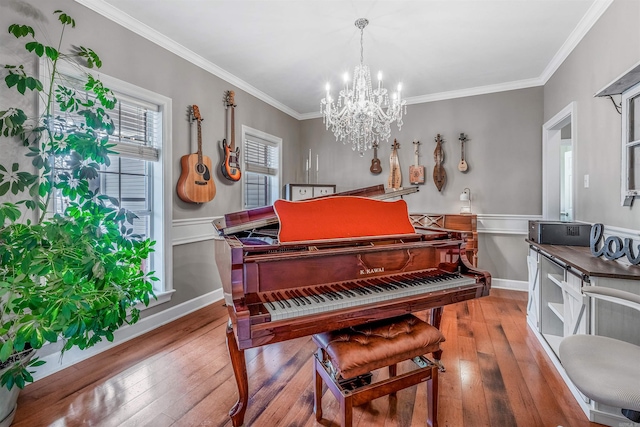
{"points": [[505, 224], [517, 225], [193, 230]]}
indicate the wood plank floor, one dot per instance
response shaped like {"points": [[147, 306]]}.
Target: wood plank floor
{"points": [[180, 375]]}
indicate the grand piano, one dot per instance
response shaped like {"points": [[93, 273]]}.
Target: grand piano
{"points": [[300, 268]]}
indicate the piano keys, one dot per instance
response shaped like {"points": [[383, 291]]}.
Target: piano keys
{"points": [[279, 289], [294, 303]]}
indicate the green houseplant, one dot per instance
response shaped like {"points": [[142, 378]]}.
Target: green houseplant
{"points": [[73, 274]]}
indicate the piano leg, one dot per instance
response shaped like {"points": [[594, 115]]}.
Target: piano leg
{"points": [[240, 372], [436, 320]]}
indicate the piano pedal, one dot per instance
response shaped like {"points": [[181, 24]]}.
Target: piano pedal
{"points": [[423, 362], [355, 383]]}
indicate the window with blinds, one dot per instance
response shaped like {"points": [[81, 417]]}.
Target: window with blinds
{"points": [[136, 138], [137, 176], [261, 168]]}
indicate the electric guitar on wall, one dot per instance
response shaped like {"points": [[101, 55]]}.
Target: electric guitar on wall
{"points": [[230, 154], [195, 184], [375, 163]]}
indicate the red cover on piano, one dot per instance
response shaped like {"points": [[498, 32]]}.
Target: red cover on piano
{"points": [[341, 217]]}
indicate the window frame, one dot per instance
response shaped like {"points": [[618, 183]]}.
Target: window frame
{"points": [[277, 141], [161, 174], [627, 97]]}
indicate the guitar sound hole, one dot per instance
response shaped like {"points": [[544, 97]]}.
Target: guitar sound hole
{"points": [[200, 168]]}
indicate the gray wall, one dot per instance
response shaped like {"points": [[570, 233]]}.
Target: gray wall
{"points": [[503, 153], [610, 48], [504, 132]]}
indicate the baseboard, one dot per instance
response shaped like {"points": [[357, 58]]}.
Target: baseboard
{"points": [[516, 285], [56, 363]]}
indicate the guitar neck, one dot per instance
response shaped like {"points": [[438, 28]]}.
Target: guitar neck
{"points": [[232, 145], [199, 143]]}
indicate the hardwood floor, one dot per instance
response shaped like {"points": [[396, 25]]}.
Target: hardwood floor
{"points": [[179, 375]]}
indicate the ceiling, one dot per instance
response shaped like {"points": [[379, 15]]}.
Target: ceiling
{"points": [[285, 51]]}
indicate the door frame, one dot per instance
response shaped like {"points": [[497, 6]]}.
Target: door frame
{"points": [[549, 129]]}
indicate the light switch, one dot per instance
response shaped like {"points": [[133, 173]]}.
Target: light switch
{"points": [[586, 181]]}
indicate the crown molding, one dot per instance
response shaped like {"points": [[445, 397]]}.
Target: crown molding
{"points": [[461, 93], [588, 20], [143, 30]]}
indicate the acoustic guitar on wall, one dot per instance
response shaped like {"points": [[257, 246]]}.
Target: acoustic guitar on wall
{"points": [[195, 184], [230, 154], [375, 163]]}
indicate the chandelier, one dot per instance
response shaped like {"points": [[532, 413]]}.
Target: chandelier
{"points": [[362, 115]]}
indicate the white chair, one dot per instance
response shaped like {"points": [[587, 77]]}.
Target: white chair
{"points": [[604, 369]]}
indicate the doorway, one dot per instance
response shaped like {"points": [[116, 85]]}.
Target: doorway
{"points": [[558, 165]]}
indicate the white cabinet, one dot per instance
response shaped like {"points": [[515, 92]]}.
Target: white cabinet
{"points": [[557, 308], [296, 192], [533, 302]]}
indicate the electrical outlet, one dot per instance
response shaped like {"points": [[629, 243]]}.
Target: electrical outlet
{"points": [[586, 181]]}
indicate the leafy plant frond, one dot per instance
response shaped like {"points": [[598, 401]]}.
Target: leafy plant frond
{"points": [[73, 275]]}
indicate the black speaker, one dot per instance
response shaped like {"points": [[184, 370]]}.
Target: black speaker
{"points": [[559, 233]]}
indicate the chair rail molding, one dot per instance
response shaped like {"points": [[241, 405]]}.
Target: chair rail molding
{"points": [[193, 230], [505, 223]]}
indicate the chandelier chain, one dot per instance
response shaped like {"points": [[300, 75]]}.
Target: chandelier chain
{"points": [[361, 46]]}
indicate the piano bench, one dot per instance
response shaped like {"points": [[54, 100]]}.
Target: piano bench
{"points": [[346, 357]]}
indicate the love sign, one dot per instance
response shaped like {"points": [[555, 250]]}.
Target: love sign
{"points": [[614, 247]]}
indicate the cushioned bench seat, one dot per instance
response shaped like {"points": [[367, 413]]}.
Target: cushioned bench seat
{"points": [[356, 351]]}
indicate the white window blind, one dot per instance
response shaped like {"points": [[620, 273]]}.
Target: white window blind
{"points": [[261, 156], [138, 127], [261, 165], [137, 134]]}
